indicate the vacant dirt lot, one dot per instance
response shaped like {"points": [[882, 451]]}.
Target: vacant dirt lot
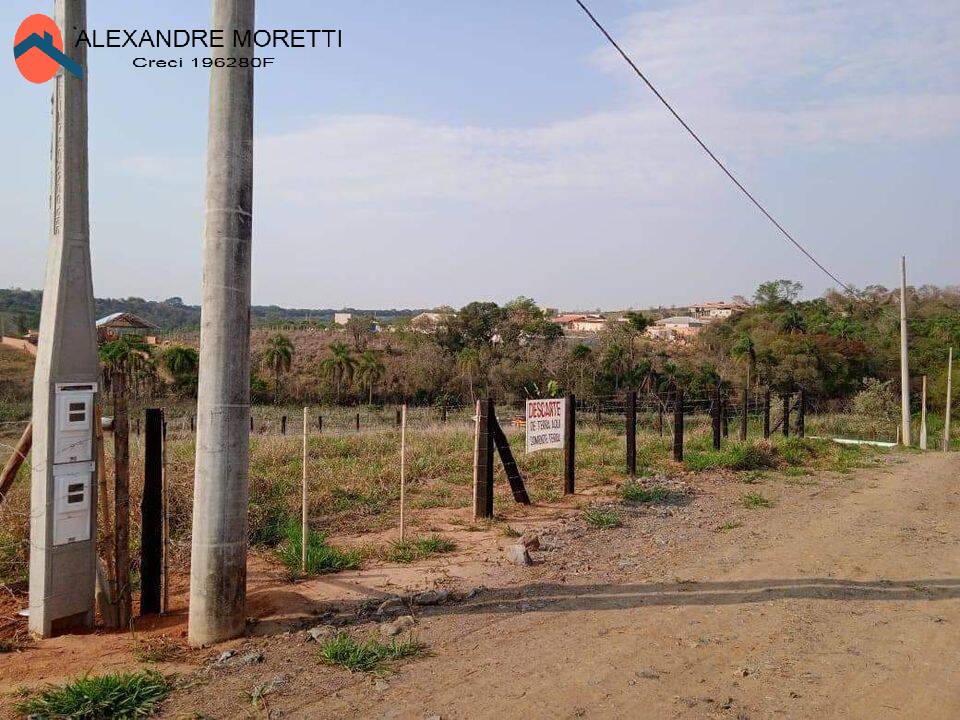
{"points": [[840, 601]]}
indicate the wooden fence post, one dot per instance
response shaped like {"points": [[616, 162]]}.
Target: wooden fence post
{"points": [[319, 423], [283, 424], [403, 467], [443, 412], [399, 418], [483, 463], [659, 414], [165, 478], [744, 407], [766, 414], [715, 417], [632, 433], [599, 412], [570, 443], [151, 515], [802, 414], [724, 415], [678, 426], [786, 414], [304, 502], [121, 499], [358, 422]]}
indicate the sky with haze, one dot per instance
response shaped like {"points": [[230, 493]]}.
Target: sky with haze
{"points": [[456, 150]]}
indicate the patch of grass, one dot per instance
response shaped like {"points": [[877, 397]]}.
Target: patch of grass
{"points": [[602, 519], [367, 655], [739, 456], [755, 500], [729, 525], [795, 450], [123, 696], [321, 557], [510, 532], [157, 649], [753, 477], [408, 551], [632, 491]]}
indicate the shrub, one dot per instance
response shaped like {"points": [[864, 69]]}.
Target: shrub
{"points": [[877, 400], [123, 696]]}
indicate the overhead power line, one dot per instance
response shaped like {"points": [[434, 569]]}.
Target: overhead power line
{"points": [[709, 152]]}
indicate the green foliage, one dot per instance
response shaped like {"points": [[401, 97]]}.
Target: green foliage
{"points": [[183, 364], [367, 655], [632, 491], [738, 456], [321, 557], [755, 500], [119, 696], [408, 551], [601, 518]]}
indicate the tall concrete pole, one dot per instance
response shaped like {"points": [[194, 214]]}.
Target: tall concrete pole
{"points": [[923, 416], [63, 505], [904, 362], [218, 571]]}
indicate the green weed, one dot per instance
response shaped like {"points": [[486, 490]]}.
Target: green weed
{"points": [[321, 557], [367, 655], [755, 500], [602, 519], [408, 551], [123, 696]]}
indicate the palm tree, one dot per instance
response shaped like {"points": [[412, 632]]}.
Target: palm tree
{"points": [[182, 363], [279, 356], [369, 371], [127, 360], [468, 362], [340, 365]]}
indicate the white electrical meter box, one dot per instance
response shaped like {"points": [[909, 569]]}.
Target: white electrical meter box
{"points": [[73, 439], [73, 484]]}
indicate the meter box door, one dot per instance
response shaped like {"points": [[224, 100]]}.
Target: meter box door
{"points": [[73, 484], [73, 441]]}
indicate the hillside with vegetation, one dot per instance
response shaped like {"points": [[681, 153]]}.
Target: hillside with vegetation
{"points": [[20, 311]]}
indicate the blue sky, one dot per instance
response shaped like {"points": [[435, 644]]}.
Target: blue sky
{"points": [[456, 150]]}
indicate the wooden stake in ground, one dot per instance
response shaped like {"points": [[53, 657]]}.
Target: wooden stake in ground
{"points": [[923, 415], [403, 466], [946, 417], [16, 460], [121, 498], [304, 524], [904, 361], [166, 516]]}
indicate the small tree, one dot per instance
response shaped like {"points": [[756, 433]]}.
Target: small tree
{"points": [[183, 364]]}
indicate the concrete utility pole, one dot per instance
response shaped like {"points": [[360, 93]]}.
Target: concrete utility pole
{"points": [[946, 419], [218, 571], [904, 361], [63, 525]]}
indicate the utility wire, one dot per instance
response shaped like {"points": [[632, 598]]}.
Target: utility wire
{"points": [[707, 150]]}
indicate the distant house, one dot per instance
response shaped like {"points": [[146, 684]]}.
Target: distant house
{"points": [[717, 310], [342, 318], [678, 327], [123, 323], [430, 322], [581, 322]]}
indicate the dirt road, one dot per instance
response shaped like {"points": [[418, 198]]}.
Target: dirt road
{"points": [[839, 602]]}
